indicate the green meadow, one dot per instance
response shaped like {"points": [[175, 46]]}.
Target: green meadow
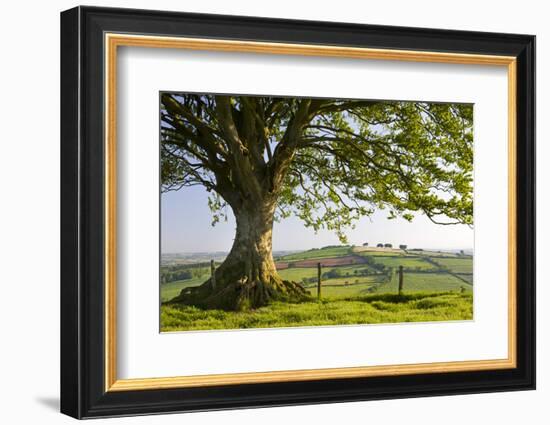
{"points": [[333, 251], [369, 309], [436, 286]]}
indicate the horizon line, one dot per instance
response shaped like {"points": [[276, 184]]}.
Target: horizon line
{"points": [[309, 249]]}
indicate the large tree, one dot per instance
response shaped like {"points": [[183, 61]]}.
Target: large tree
{"points": [[327, 161]]}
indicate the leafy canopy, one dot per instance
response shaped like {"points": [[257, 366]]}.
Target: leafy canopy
{"points": [[326, 161]]}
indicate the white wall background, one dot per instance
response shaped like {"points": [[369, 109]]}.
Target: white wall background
{"points": [[29, 212]]}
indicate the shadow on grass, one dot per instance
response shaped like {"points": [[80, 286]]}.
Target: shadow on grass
{"points": [[395, 298], [370, 298]]}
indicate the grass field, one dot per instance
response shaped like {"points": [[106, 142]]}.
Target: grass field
{"points": [[436, 254], [298, 273], [423, 282], [334, 290], [351, 298], [317, 253], [352, 269], [172, 289], [359, 285], [406, 262], [379, 253], [369, 309], [456, 265], [468, 278]]}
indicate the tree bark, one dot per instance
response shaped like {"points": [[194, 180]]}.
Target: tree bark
{"points": [[248, 277]]}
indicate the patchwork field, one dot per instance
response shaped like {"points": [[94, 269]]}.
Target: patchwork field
{"points": [[333, 251], [358, 272], [456, 265], [378, 251], [325, 262], [408, 262], [422, 282]]}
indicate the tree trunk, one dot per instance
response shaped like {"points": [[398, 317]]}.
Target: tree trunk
{"points": [[248, 277]]}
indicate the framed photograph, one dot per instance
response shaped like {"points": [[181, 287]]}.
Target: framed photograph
{"points": [[261, 212]]}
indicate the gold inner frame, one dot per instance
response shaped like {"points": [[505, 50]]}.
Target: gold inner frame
{"points": [[113, 41]]}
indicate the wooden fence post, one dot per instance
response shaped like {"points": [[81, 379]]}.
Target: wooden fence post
{"points": [[400, 280], [213, 274], [319, 281]]}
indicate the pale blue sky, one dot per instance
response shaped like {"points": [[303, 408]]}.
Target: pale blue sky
{"points": [[186, 227]]}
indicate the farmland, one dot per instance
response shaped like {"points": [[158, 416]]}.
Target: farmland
{"points": [[170, 290], [327, 252], [456, 265], [354, 281], [422, 282], [407, 262]]}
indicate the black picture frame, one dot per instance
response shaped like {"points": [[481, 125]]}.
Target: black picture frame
{"points": [[83, 392]]}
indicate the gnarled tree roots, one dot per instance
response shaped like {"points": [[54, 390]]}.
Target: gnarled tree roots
{"points": [[241, 294]]}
